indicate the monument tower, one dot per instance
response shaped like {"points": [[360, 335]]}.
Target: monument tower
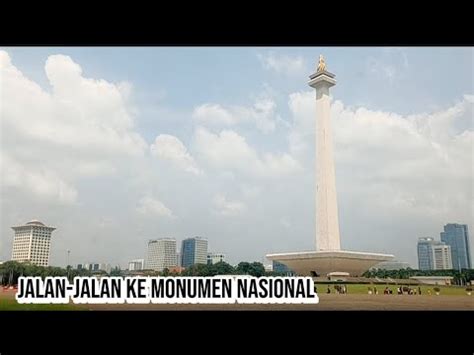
{"points": [[327, 221], [327, 256]]}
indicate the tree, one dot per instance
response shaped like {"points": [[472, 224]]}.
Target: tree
{"points": [[197, 270], [116, 271], [221, 268], [253, 269], [243, 268]]}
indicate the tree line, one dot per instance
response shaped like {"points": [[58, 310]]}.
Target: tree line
{"points": [[460, 277], [10, 271]]}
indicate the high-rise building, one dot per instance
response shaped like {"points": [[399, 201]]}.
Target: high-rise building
{"points": [[457, 237], [161, 254], [136, 265], [32, 243], [433, 255], [214, 258], [193, 251]]}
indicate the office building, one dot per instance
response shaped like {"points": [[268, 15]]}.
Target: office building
{"points": [[32, 243], [433, 255], [214, 258], [161, 254], [457, 237], [193, 251]]}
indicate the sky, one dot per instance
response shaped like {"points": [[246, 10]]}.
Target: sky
{"points": [[114, 146]]}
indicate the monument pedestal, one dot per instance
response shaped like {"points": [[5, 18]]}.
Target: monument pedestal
{"points": [[321, 263]]}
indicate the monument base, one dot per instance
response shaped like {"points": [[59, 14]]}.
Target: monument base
{"points": [[321, 263]]}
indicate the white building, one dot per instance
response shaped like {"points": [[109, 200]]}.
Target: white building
{"points": [[433, 255], [32, 243], [442, 257], [105, 267], [214, 258], [136, 265], [161, 254]]}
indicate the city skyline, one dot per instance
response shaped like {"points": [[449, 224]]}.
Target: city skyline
{"points": [[217, 142]]}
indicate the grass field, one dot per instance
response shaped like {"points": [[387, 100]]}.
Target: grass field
{"points": [[8, 303], [363, 288], [450, 298]]}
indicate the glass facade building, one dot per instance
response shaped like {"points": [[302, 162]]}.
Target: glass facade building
{"points": [[457, 237], [193, 251]]}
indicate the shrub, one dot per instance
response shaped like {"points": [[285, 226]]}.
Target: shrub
{"points": [[436, 289]]}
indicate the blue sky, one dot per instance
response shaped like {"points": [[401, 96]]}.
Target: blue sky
{"points": [[243, 117]]}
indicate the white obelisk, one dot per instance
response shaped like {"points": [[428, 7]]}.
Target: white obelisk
{"points": [[327, 221]]}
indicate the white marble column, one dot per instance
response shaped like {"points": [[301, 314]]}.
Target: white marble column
{"points": [[327, 221]]}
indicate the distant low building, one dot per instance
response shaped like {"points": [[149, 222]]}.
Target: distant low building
{"points": [[214, 258], [433, 280], [391, 265], [136, 265], [105, 267], [95, 267]]}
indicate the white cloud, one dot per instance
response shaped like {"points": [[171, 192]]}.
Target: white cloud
{"points": [[42, 183], [170, 148], [285, 222], [82, 128], [229, 150], [419, 164], [261, 113], [282, 63], [382, 70], [150, 206], [391, 63], [227, 208], [214, 114]]}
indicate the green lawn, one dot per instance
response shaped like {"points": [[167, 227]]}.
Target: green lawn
{"points": [[363, 288], [10, 304]]}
